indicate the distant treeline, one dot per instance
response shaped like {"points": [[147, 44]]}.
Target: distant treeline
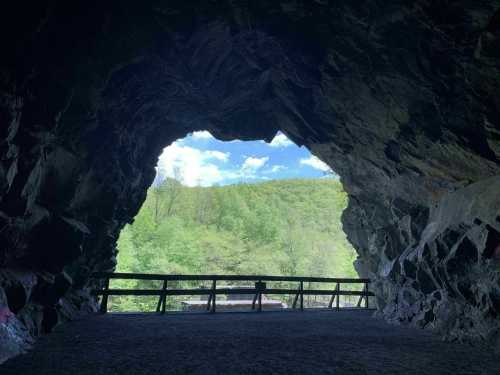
{"points": [[284, 227]]}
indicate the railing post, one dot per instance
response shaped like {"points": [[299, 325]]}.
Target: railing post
{"points": [[163, 298], [360, 299], [301, 295], [209, 300], [330, 305], [260, 295], [296, 298], [366, 295], [338, 297], [164, 305], [214, 287], [104, 302], [254, 300]]}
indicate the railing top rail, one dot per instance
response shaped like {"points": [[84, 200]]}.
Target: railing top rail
{"points": [[144, 276]]}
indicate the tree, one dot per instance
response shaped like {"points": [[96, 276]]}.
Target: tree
{"points": [[164, 197], [287, 228]]}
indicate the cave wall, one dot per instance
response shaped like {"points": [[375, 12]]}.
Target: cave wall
{"points": [[400, 98]]}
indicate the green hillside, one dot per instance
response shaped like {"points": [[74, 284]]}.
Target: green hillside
{"points": [[284, 227]]}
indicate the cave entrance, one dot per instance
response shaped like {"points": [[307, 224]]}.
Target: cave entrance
{"points": [[237, 208]]}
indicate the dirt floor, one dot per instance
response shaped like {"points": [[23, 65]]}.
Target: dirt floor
{"points": [[345, 342]]}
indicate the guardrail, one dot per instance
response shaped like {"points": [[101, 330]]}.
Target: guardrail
{"points": [[259, 289]]}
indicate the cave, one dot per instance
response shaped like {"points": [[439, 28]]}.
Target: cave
{"points": [[401, 99]]}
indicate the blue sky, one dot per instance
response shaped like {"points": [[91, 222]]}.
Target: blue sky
{"points": [[201, 160]]}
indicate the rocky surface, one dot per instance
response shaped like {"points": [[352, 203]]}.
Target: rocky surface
{"points": [[401, 98]]}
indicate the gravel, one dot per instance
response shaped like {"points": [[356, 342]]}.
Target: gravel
{"points": [[316, 342]]}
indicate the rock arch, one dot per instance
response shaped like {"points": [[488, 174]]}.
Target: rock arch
{"points": [[400, 99]]}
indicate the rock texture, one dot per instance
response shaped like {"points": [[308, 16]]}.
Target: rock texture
{"points": [[401, 98]]}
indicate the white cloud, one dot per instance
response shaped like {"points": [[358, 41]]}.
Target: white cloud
{"points": [[280, 140], [194, 167], [204, 134], [222, 156], [253, 164], [315, 163], [275, 169], [191, 166]]}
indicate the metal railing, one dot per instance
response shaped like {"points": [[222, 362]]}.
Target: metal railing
{"points": [[260, 287]]}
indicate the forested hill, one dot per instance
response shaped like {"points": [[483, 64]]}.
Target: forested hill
{"points": [[285, 227]]}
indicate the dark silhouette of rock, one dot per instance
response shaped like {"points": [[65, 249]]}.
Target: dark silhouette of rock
{"points": [[400, 98]]}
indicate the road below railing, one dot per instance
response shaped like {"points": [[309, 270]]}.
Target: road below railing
{"points": [[260, 287]]}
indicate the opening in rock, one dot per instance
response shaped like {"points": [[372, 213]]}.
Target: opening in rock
{"points": [[237, 208]]}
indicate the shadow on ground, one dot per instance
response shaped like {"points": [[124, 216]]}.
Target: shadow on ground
{"points": [[346, 342]]}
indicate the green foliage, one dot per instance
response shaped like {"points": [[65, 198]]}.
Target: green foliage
{"points": [[287, 227]]}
